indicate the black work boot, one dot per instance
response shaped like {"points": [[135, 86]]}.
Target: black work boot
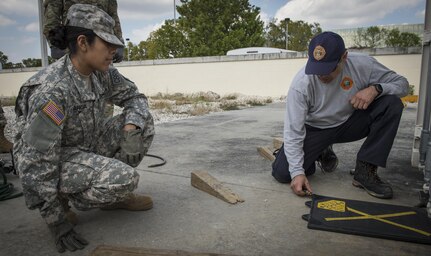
{"points": [[327, 161], [365, 176]]}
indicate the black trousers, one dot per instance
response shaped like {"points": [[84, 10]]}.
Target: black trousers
{"points": [[379, 123]]}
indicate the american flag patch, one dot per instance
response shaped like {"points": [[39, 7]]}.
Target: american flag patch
{"points": [[54, 112]]}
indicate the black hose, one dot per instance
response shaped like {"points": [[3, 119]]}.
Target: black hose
{"points": [[158, 157]]}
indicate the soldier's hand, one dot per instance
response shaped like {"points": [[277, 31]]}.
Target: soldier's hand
{"points": [[300, 186], [132, 148], [66, 238]]}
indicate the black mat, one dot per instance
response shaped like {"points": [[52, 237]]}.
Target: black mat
{"points": [[369, 219]]}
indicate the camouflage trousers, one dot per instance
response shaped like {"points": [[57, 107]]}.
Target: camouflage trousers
{"points": [[95, 179], [3, 120]]}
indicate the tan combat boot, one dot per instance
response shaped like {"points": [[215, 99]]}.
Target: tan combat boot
{"points": [[5, 145], [132, 202]]}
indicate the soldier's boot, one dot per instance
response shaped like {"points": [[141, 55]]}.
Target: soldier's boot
{"points": [[5, 144], [71, 216], [132, 202], [365, 176], [327, 161]]}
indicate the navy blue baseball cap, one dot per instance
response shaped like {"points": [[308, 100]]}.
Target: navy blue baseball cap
{"points": [[324, 53]]}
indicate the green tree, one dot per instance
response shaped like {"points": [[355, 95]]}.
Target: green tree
{"points": [[374, 36], [299, 34], [6, 64], [358, 38], [370, 37], [212, 27], [30, 62], [169, 40], [396, 39], [3, 59]]}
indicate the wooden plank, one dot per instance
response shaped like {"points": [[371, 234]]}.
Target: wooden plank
{"points": [[107, 250], [277, 142], [204, 181], [265, 152]]}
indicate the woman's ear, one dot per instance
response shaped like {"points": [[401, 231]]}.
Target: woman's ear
{"points": [[82, 44]]}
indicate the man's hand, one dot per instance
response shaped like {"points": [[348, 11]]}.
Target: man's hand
{"points": [[300, 186], [66, 238], [363, 98]]}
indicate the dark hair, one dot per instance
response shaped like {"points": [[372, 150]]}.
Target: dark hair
{"points": [[64, 37]]}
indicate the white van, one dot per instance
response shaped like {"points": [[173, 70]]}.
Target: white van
{"points": [[257, 50]]}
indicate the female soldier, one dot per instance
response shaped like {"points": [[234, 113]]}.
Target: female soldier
{"points": [[66, 151]]}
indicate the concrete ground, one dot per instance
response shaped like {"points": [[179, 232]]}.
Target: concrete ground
{"points": [[184, 218]]}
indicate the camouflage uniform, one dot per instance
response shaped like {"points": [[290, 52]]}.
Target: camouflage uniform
{"points": [[5, 144], [3, 120], [66, 146], [55, 12]]}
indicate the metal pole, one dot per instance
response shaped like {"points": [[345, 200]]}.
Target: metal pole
{"points": [[43, 48], [425, 143], [175, 15], [287, 31], [128, 49], [427, 93]]}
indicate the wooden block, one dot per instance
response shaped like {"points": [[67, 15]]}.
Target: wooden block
{"points": [[265, 152], [277, 142], [204, 181], [107, 250]]}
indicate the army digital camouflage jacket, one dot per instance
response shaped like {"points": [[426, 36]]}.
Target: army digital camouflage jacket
{"points": [[55, 13], [58, 113]]}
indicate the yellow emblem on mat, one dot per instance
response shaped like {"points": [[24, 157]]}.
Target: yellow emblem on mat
{"points": [[332, 205]]}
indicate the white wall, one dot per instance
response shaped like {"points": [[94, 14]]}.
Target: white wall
{"points": [[259, 76]]}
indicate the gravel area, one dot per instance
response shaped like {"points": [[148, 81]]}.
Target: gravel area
{"points": [[164, 115]]}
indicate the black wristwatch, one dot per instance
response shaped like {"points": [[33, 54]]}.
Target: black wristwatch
{"points": [[379, 88]]}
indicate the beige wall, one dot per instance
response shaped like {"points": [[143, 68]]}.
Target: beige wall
{"points": [[251, 77]]}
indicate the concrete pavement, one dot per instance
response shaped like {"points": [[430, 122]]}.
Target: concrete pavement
{"points": [[184, 218]]}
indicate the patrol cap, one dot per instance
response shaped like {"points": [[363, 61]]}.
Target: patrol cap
{"points": [[91, 17], [324, 53]]}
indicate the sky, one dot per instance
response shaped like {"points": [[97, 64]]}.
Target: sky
{"points": [[19, 19]]}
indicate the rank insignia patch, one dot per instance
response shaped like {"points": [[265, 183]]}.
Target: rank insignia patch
{"points": [[54, 112], [116, 77]]}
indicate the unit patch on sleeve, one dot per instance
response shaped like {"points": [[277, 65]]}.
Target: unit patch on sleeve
{"points": [[54, 112], [116, 77]]}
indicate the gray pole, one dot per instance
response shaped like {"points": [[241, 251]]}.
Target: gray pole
{"points": [[43, 48], [287, 31], [175, 15], [425, 143], [425, 86], [128, 49]]}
